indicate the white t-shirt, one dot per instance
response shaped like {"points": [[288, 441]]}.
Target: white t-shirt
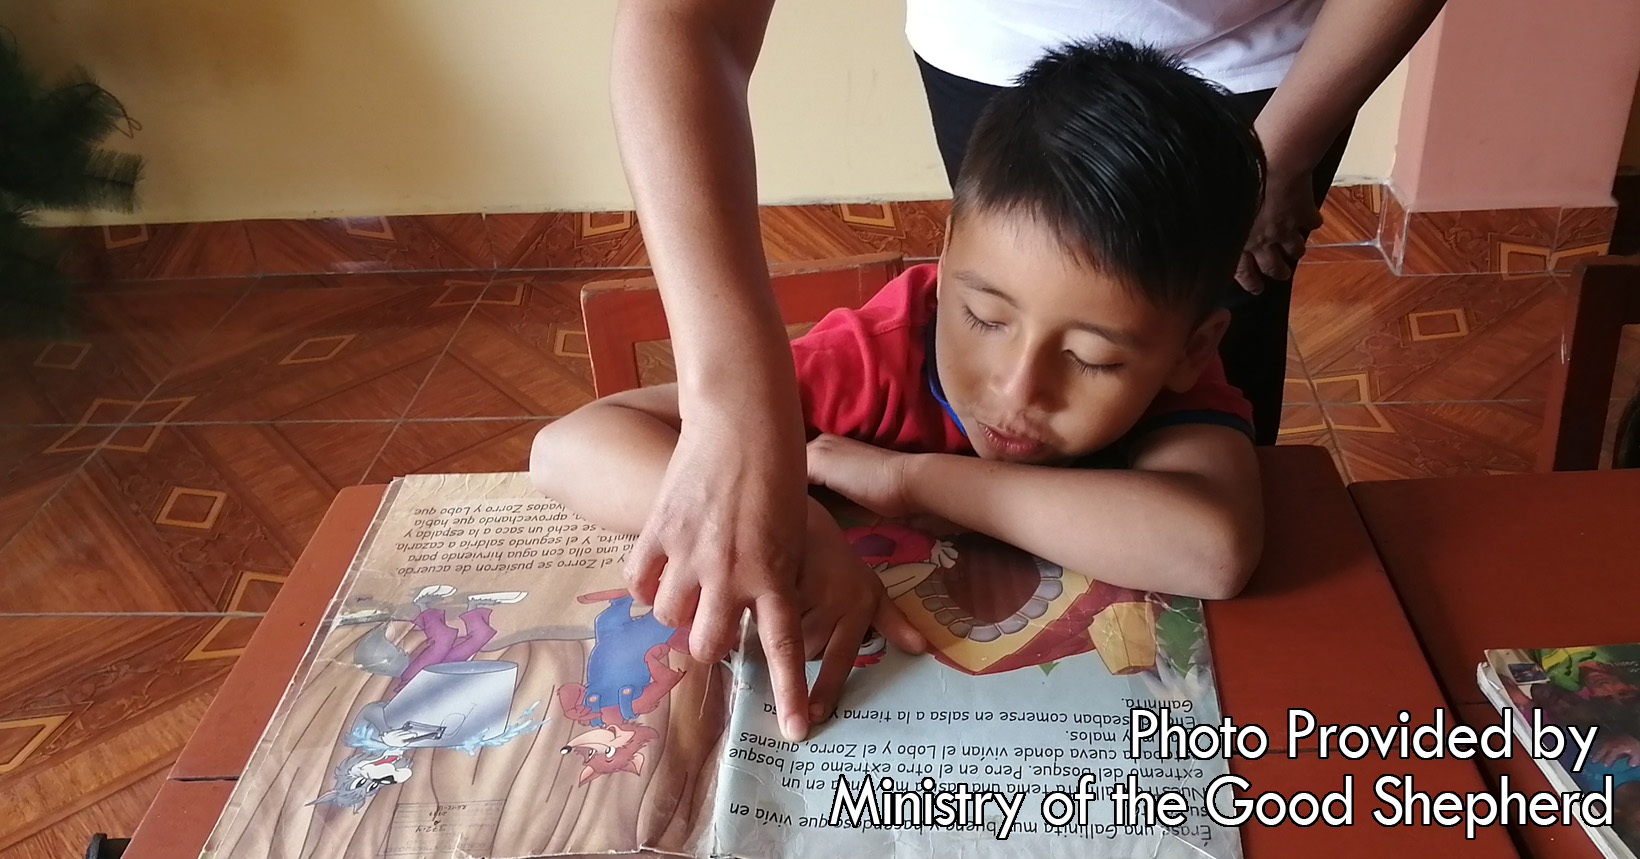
{"points": [[1243, 45]]}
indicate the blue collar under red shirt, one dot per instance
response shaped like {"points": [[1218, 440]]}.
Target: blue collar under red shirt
{"points": [[931, 372]]}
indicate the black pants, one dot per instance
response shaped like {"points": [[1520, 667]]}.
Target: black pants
{"points": [[1254, 349]]}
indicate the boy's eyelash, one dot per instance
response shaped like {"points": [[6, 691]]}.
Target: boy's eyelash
{"points": [[976, 322], [1080, 365], [1091, 369]]}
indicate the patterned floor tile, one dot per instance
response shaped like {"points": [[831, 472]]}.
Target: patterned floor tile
{"points": [[1503, 240], [1582, 233], [1306, 424], [567, 240], [913, 229], [1349, 216], [522, 352], [94, 705], [92, 709], [116, 816], [1479, 337], [235, 285], [455, 447], [1342, 253], [1386, 442], [144, 251], [320, 354], [347, 280], [34, 464], [1299, 390], [403, 243], [118, 347], [167, 518]]}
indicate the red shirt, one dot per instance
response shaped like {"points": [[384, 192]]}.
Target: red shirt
{"points": [[865, 374]]}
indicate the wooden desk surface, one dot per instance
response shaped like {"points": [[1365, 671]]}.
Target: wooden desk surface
{"points": [[1318, 628], [1532, 560]]}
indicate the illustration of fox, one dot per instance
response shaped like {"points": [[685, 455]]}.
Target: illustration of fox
{"points": [[610, 749], [627, 676]]}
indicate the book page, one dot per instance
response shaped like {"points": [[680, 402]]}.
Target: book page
{"points": [[483, 687], [1027, 694], [1577, 713]]}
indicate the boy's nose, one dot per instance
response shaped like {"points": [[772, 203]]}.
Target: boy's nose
{"points": [[1028, 381]]}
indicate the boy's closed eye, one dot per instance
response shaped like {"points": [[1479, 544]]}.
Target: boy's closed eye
{"points": [[1080, 363]]}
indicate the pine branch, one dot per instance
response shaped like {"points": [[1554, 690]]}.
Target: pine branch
{"points": [[34, 292], [49, 141]]}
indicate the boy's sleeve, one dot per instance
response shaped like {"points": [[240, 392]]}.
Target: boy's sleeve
{"points": [[837, 379], [1212, 401]]}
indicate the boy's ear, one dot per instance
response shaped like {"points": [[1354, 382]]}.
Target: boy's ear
{"points": [[939, 266], [1199, 351]]}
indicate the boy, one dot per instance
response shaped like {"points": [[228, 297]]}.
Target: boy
{"points": [[1070, 325]]}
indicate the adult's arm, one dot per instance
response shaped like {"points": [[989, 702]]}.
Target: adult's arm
{"points": [[1352, 47], [728, 523]]}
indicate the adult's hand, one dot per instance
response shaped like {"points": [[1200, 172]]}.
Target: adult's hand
{"points": [[1349, 51], [1280, 230], [726, 534]]}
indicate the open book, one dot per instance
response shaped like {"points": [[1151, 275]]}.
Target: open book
{"points": [[1594, 691], [483, 686]]}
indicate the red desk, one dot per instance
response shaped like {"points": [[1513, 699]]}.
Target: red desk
{"points": [[1319, 628], [1536, 560]]}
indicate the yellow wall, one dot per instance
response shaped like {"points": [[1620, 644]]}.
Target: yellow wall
{"points": [[1371, 152], [309, 108]]}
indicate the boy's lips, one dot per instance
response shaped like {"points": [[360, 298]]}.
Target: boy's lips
{"points": [[1009, 444]]}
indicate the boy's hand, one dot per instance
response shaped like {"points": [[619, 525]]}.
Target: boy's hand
{"points": [[842, 599], [869, 476]]}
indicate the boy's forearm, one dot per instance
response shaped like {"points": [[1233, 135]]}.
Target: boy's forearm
{"points": [[605, 463], [1140, 529]]}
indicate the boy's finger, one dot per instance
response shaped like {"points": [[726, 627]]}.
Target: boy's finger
{"points": [[817, 629], [894, 626], [676, 596], [841, 651], [782, 640], [716, 627], [642, 570]]}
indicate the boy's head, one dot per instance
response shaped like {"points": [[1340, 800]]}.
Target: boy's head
{"points": [[1100, 212]]}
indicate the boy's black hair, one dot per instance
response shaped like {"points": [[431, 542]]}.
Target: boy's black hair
{"points": [[1146, 171]]}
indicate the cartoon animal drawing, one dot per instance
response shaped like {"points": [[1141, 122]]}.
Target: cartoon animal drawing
{"points": [[987, 607], [627, 673], [365, 772], [903, 557], [627, 676], [441, 697], [610, 748]]}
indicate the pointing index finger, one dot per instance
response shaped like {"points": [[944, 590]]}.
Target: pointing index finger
{"points": [[782, 638]]}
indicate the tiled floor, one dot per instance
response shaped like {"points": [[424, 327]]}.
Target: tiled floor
{"points": [[162, 467]]}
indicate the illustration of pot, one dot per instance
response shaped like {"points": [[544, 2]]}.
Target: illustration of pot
{"points": [[450, 705]]}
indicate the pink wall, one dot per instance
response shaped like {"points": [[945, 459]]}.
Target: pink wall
{"points": [[1518, 104]]}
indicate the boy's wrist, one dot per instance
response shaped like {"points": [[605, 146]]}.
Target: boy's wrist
{"points": [[914, 475]]}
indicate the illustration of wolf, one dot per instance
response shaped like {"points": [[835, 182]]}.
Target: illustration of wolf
{"points": [[440, 697]]}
